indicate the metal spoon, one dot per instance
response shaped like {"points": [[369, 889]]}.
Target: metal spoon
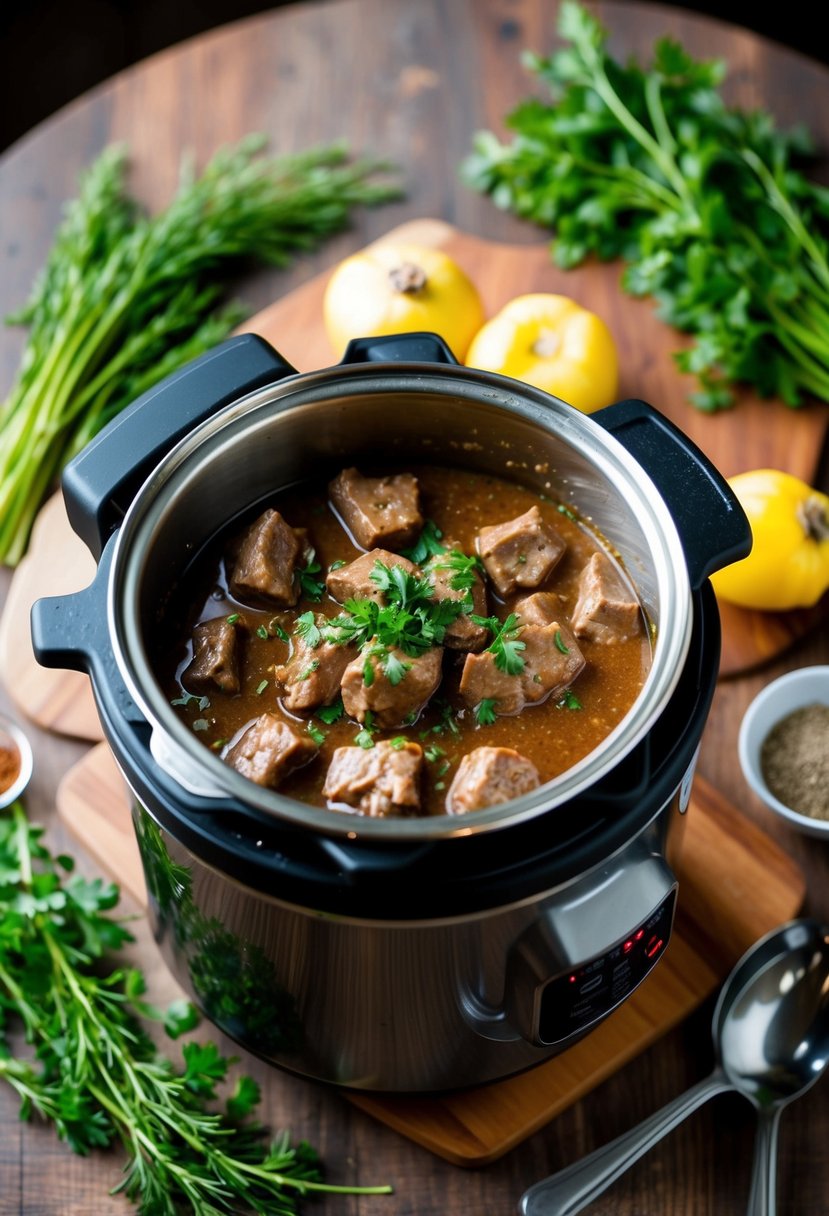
{"points": [[771, 1037]]}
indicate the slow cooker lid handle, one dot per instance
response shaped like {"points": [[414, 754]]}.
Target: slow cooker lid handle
{"points": [[101, 482], [417, 347], [711, 522]]}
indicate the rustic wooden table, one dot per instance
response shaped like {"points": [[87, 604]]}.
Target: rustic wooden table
{"points": [[410, 80]]}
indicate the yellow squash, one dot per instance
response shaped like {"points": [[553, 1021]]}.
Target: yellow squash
{"points": [[401, 288], [788, 566], [554, 343]]}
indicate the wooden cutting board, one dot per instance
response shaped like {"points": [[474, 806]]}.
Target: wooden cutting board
{"points": [[754, 434], [736, 884]]}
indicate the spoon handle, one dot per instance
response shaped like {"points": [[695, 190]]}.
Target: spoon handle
{"points": [[762, 1200], [571, 1189]]}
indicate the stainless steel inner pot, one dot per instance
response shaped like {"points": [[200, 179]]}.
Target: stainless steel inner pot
{"points": [[307, 427]]}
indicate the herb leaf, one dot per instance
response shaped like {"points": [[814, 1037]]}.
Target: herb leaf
{"points": [[427, 544], [306, 628], [504, 645], [311, 587], [485, 714], [706, 204], [331, 713]]}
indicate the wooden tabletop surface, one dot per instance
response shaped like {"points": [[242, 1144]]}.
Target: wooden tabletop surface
{"points": [[411, 80]]}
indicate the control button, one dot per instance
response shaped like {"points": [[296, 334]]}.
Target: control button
{"points": [[592, 984]]}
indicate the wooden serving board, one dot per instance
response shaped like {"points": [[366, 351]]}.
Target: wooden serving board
{"points": [[736, 884], [754, 434]]}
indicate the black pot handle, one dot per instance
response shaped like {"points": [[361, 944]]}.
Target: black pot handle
{"points": [[101, 482], [418, 347], [711, 522]]}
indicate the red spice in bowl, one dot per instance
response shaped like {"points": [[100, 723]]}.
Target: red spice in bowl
{"points": [[9, 765]]}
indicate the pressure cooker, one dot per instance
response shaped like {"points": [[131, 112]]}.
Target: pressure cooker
{"points": [[400, 954]]}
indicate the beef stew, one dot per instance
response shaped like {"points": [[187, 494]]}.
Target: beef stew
{"points": [[420, 641]]}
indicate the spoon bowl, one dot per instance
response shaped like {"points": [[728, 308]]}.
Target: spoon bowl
{"points": [[770, 1030]]}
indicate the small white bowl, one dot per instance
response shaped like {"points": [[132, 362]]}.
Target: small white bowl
{"points": [[13, 736], [804, 686]]}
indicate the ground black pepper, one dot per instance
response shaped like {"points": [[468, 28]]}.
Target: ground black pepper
{"points": [[794, 760]]}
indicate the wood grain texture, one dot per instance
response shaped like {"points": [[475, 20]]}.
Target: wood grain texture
{"points": [[736, 883], [412, 81], [58, 562]]}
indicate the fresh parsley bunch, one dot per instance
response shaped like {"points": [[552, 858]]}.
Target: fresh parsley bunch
{"points": [[94, 1072], [705, 204]]}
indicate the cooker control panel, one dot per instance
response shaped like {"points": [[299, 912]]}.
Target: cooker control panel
{"points": [[571, 1002]]}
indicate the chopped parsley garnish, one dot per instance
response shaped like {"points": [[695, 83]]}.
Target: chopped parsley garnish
{"points": [[262, 632], [365, 737], [464, 569], [427, 544], [433, 752], [368, 671], [331, 713], [316, 734], [312, 588], [562, 510], [203, 703], [485, 713], [569, 700], [337, 565], [440, 785], [233, 618], [559, 641], [276, 629], [411, 620], [261, 686], [309, 670], [217, 744], [398, 742], [306, 628], [504, 645]]}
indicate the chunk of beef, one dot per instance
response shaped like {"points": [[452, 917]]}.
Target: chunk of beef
{"points": [[215, 663], [313, 673], [463, 633], [552, 661], [521, 552], [487, 776], [391, 704], [606, 609], [540, 609], [269, 750], [267, 561], [380, 780], [378, 510], [354, 580]]}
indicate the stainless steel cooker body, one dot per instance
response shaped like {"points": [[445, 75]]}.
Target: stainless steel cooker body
{"points": [[418, 953]]}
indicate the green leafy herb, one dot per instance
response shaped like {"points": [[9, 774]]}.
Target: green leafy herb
{"points": [[465, 568], [398, 742], [186, 698], [262, 632], [261, 686], [92, 1070], [309, 670], [365, 737], [311, 587], [276, 629], [485, 713], [337, 565], [331, 713], [569, 700], [124, 299], [708, 206], [560, 643], [433, 752], [316, 734], [427, 544], [306, 628], [504, 645], [411, 620]]}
